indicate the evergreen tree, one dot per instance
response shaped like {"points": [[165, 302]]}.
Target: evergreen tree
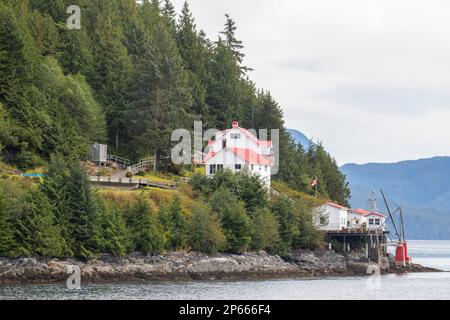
{"points": [[44, 33], [17, 65], [168, 11], [75, 54], [113, 233], [160, 97], [284, 212], [196, 59], [83, 213], [223, 89], [111, 71], [251, 191], [178, 225], [7, 243], [205, 232], [265, 228], [234, 220], [235, 45], [35, 228], [55, 189], [144, 232], [163, 220], [55, 8], [309, 237]]}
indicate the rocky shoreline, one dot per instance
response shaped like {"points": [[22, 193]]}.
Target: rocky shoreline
{"points": [[188, 266]]}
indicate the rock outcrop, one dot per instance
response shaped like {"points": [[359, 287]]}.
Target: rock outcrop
{"points": [[179, 266]]}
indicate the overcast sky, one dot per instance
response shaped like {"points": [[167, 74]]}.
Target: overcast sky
{"points": [[371, 79]]}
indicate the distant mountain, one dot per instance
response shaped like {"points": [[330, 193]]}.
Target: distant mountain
{"points": [[299, 137], [421, 187]]}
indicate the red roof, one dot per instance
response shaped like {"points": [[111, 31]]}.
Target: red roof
{"points": [[251, 157], [375, 214], [248, 155], [209, 156], [338, 206], [360, 211], [366, 213], [263, 143]]}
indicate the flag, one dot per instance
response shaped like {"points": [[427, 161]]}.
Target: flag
{"points": [[314, 182]]}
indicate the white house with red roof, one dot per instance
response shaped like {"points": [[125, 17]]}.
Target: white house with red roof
{"points": [[238, 149], [367, 219], [333, 216], [337, 217]]}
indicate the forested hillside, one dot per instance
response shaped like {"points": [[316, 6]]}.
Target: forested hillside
{"points": [[131, 75]]}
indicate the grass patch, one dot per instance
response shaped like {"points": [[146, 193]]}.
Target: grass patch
{"points": [[311, 201], [157, 177]]}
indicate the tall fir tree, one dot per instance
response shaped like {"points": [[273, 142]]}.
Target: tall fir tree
{"points": [[196, 60], [143, 228], [7, 242], [111, 71], [234, 220], [36, 230], [178, 225], [83, 210], [234, 44], [160, 97]]}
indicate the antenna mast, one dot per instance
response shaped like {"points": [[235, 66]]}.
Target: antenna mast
{"points": [[373, 202]]}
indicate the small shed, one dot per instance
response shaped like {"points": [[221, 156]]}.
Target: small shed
{"points": [[99, 154]]}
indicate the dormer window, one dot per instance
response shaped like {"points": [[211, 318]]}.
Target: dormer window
{"points": [[236, 136]]}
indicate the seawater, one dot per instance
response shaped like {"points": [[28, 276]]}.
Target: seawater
{"points": [[393, 286]]}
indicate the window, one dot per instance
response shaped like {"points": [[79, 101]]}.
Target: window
{"points": [[235, 136], [224, 143], [237, 166], [212, 168], [377, 222], [265, 168], [220, 167], [253, 167], [370, 221]]}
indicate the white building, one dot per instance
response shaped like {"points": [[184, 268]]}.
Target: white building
{"points": [[337, 217], [237, 149], [375, 221], [356, 218], [333, 217]]}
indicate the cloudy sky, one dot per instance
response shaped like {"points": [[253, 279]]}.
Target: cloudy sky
{"points": [[371, 79]]}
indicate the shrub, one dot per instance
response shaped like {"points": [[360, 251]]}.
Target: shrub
{"points": [[265, 228], [205, 232]]}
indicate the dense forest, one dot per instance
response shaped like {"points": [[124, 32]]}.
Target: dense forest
{"points": [[128, 77], [62, 216]]}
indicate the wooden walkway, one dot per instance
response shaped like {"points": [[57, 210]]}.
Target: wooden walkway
{"points": [[129, 183]]}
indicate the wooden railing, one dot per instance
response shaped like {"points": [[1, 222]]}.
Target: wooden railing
{"points": [[118, 159], [142, 165]]}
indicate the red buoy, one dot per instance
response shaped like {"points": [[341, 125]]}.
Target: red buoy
{"points": [[407, 258], [401, 254], [400, 257]]}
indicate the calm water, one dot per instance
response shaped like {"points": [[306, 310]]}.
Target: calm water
{"points": [[407, 286]]}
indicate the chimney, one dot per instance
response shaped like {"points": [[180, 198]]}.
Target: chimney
{"points": [[235, 124]]}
